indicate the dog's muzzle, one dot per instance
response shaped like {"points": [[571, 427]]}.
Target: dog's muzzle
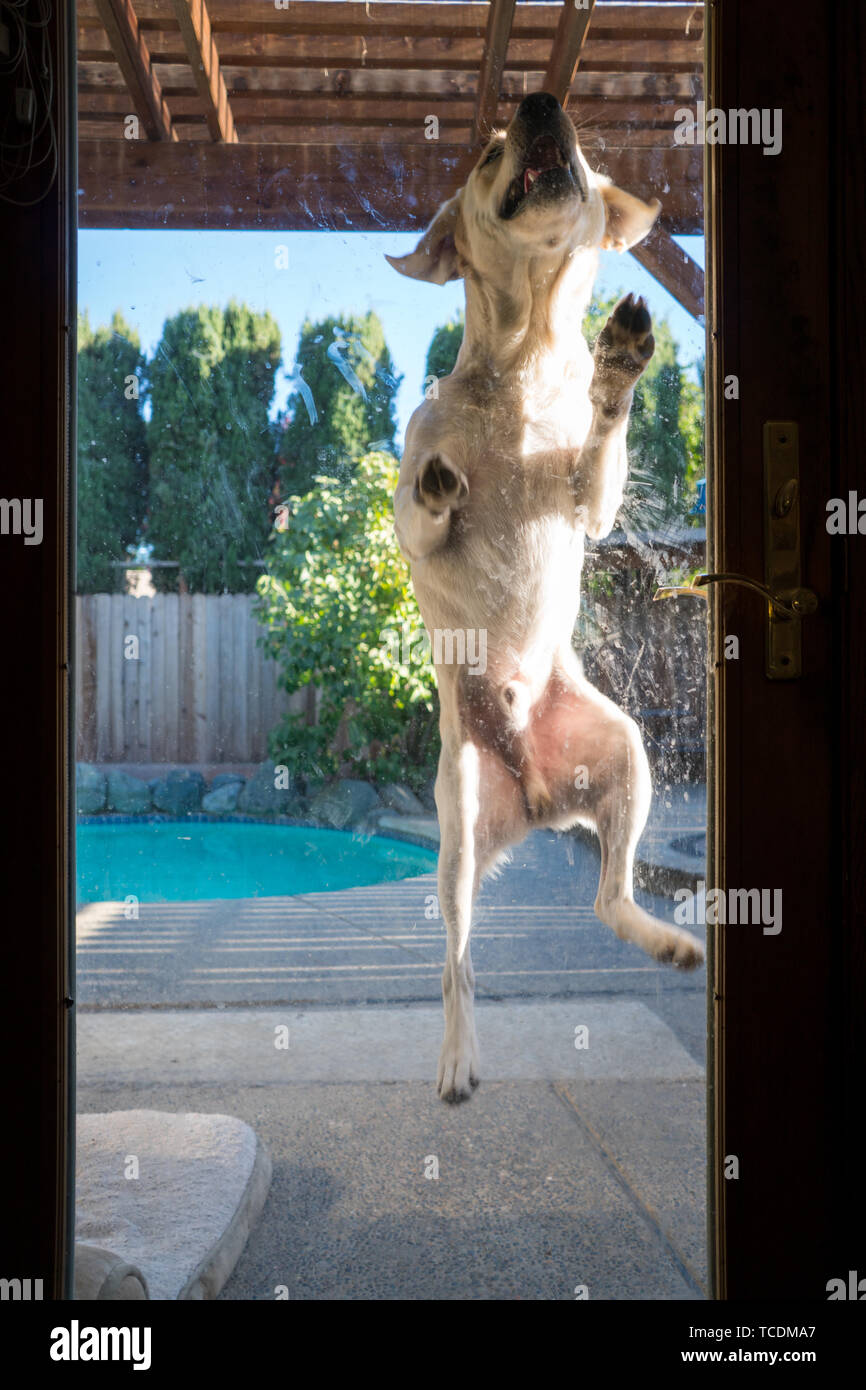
{"points": [[545, 151]]}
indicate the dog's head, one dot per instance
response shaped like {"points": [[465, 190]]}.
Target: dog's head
{"points": [[531, 195]]}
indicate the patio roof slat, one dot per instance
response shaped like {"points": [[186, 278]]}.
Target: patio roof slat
{"points": [[432, 18], [133, 58], [195, 27], [492, 68], [571, 32]]}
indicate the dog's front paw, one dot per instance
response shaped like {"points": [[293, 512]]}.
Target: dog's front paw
{"points": [[439, 485], [597, 524], [623, 348]]}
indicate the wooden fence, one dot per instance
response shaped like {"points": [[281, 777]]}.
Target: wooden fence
{"points": [[181, 678], [173, 678]]}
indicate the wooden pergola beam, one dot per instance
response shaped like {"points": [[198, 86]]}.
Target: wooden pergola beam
{"points": [[672, 267], [388, 53], [499, 21], [374, 187], [567, 46], [133, 58], [418, 20], [195, 27]]}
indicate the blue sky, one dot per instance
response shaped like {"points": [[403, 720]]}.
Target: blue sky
{"points": [[151, 275]]}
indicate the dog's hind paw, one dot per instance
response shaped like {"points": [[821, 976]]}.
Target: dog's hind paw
{"points": [[458, 1075], [679, 948], [622, 350]]}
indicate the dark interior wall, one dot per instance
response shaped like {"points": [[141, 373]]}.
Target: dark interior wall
{"points": [[37, 307], [789, 1011], [847, 144]]}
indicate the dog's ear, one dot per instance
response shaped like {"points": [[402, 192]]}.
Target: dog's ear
{"points": [[627, 219], [435, 256]]}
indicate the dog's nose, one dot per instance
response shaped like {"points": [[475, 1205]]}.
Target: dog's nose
{"points": [[538, 106]]}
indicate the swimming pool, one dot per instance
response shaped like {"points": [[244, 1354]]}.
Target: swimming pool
{"points": [[181, 861]]}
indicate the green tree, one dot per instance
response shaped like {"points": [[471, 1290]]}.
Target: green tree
{"points": [[342, 404], [692, 431], [339, 613], [444, 347], [212, 459], [112, 452]]}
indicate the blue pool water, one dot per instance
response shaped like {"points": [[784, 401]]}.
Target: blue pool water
{"points": [[177, 861]]}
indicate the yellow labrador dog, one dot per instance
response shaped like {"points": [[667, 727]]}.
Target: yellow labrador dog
{"points": [[521, 456]]}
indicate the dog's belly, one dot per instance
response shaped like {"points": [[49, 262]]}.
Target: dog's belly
{"points": [[517, 584]]}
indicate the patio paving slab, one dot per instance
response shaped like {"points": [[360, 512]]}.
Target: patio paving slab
{"points": [[532, 1041], [526, 1205]]}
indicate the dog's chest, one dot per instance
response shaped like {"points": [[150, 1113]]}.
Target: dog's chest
{"points": [[513, 561]]}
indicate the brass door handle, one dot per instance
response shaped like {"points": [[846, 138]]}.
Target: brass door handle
{"points": [[787, 600], [785, 603]]}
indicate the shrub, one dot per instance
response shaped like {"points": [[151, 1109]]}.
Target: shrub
{"points": [[335, 587]]}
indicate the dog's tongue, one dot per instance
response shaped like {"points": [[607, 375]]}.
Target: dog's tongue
{"points": [[543, 155]]}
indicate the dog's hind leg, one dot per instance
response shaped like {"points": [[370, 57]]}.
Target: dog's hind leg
{"points": [[621, 811], [481, 810], [575, 726]]}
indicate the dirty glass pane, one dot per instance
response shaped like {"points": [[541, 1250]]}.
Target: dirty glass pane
{"points": [[261, 930]]}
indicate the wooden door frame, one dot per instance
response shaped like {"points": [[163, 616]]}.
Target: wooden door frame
{"points": [[37, 388], [790, 1045], [784, 299]]}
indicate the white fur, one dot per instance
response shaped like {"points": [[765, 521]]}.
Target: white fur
{"points": [[521, 455]]}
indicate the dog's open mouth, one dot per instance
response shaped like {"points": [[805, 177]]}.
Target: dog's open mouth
{"points": [[547, 174]]}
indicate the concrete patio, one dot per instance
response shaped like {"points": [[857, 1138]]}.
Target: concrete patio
{"points": [[570, 1169]]}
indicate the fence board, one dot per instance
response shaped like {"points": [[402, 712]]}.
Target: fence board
{"points": [[240, 687], [227, 677], [100, 619], [114, 657], [199, 675], [186, 721], [156, 683], [169, 606], [255, 680], [213, 694]]}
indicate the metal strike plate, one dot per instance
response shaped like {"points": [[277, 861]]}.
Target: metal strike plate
{"points": [[782, 544]]}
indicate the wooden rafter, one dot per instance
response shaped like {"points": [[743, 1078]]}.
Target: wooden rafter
{"points": [[365, 187], [499, 23], [674, 269], [133, 58], [195, 27], [567, 46]]}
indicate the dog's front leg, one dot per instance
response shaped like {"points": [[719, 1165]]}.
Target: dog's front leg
{"points": [[428, 493], [622, 351]]}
